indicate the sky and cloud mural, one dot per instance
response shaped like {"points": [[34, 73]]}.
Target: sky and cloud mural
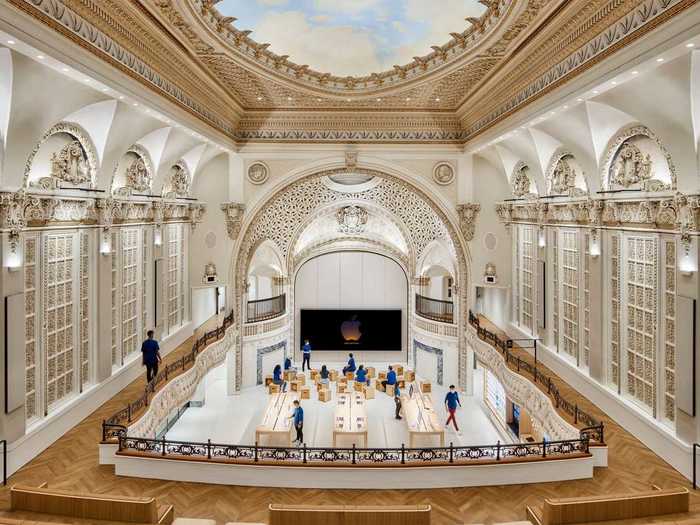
{"points": [[351, 37]]}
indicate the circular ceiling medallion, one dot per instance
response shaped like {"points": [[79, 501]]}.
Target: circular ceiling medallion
{"points": [[490, 241], [443, 173], [258, 172], [210, 240]]}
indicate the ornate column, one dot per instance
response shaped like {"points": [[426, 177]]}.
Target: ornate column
{"points": [[468, 213]]}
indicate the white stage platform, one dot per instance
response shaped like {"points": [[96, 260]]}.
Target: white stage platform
{"points": [[232, 419]]}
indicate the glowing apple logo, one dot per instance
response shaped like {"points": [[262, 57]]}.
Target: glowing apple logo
{"points": [[351, 330]]}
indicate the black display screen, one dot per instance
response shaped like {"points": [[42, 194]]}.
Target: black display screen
{"points": [[351, 329]]}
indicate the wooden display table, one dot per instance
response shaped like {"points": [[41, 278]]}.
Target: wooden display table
{"points": [[420, 416], [350, 417], [333, 375], [289, 375], [324, 395], [273, 388], [426, 387], [398, 369], [276, 424], [268, 380]]}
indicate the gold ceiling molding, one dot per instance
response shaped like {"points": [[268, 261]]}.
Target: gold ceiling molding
{"points": [[183, 50], [461, 46]]}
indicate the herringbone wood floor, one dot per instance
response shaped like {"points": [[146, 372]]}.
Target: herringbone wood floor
{"points": [[72, 462]]}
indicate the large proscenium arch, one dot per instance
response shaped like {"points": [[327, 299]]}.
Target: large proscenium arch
{"points": [[280, 216]]}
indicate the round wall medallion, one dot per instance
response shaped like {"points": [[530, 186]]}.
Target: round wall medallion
{"points": [[258, 172], [443, 173], [210, 240], [490, 241]]}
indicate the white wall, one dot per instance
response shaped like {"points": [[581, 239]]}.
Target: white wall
{"points": [[203, 304], [351, 280]]}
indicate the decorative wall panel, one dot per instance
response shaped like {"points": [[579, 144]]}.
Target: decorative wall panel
{"points": [[116, 355], [569, 281], [31, 325], [586, 299], [131, 262], [84, 292], [615, 305], [669, 330]]}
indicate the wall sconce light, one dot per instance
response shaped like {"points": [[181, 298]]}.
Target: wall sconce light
{"points": [[687, 259], [106, 243], [541, 239], [12, 250], [594, 244], [157, 236]]}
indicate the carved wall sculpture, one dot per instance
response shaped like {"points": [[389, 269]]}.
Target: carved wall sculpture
{"points": [[443, 173], [634, 159], [179, 183], [258, 173], [520, 181], [74, 163], [233, 214], [138, 176], [562, 177], [467, 218], [351, 219]]}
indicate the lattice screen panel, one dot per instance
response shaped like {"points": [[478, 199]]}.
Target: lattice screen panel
{"points": [[174, 276], [640, 344], [130, 261], [555, 287], [31, 325], [669, 358], [586, 299], [570, 292], [116, 356], [58, 305], [516, 272], [614, 354], [146, 235], [528, 277], [84, 309]]}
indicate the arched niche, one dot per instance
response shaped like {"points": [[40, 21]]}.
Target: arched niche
{"points": [[133, 173], [283, 216], [178, 182], [437, 271], [521, 182], [636, 159], [65, 156], [265, 272], [565, 175]]}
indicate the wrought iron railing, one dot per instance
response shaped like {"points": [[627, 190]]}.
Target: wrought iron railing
{"points": [[435, 309], [592, 428], [115, 427], [247, 454], [266, 309]]}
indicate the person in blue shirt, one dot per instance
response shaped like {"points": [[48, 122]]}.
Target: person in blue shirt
{"points": [[390, 377], [306, 351], [277, 377], [451, 402], [361, 375], [287, 364], [350, 366], [298, 417], [324, 375], [151, 356]]}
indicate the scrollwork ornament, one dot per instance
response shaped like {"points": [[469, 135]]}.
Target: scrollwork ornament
{"points": [[467, 218], [196, 214], [233, 214], [351, 219]]}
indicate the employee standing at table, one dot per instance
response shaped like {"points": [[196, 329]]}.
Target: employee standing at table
{"points": [[298, 417], [451, 402], [390, 377], [350, 366], [151, 356], [306, 351]]}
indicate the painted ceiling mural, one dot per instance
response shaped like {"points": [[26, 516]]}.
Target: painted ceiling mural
{"points": [[352, 37]]}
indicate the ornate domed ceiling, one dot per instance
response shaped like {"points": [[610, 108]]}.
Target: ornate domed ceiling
{"points": [[334, 86], [352, 37]]}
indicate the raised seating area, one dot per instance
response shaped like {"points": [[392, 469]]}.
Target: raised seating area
{"points": [[654, 502], [60, 502]]}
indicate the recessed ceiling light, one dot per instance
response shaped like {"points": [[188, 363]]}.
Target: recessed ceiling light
{"points": [[347, 100], [135, 104], [379, 100], [121, 97], [565, 107], [104, 90], [690, 44], [259, 98], [87, 80], [659, 59], [11, 42], [65, 69], [41, 57], [579, 100], [318, 100], [595, 91], [437, 99], [614, 83], [289, 98], [408, 99], [635, 72], [551, 112], [148, 111]]}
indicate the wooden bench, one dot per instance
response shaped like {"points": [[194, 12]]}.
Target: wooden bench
{"points": [[655, 502], [89, 506], [349, 515]]}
